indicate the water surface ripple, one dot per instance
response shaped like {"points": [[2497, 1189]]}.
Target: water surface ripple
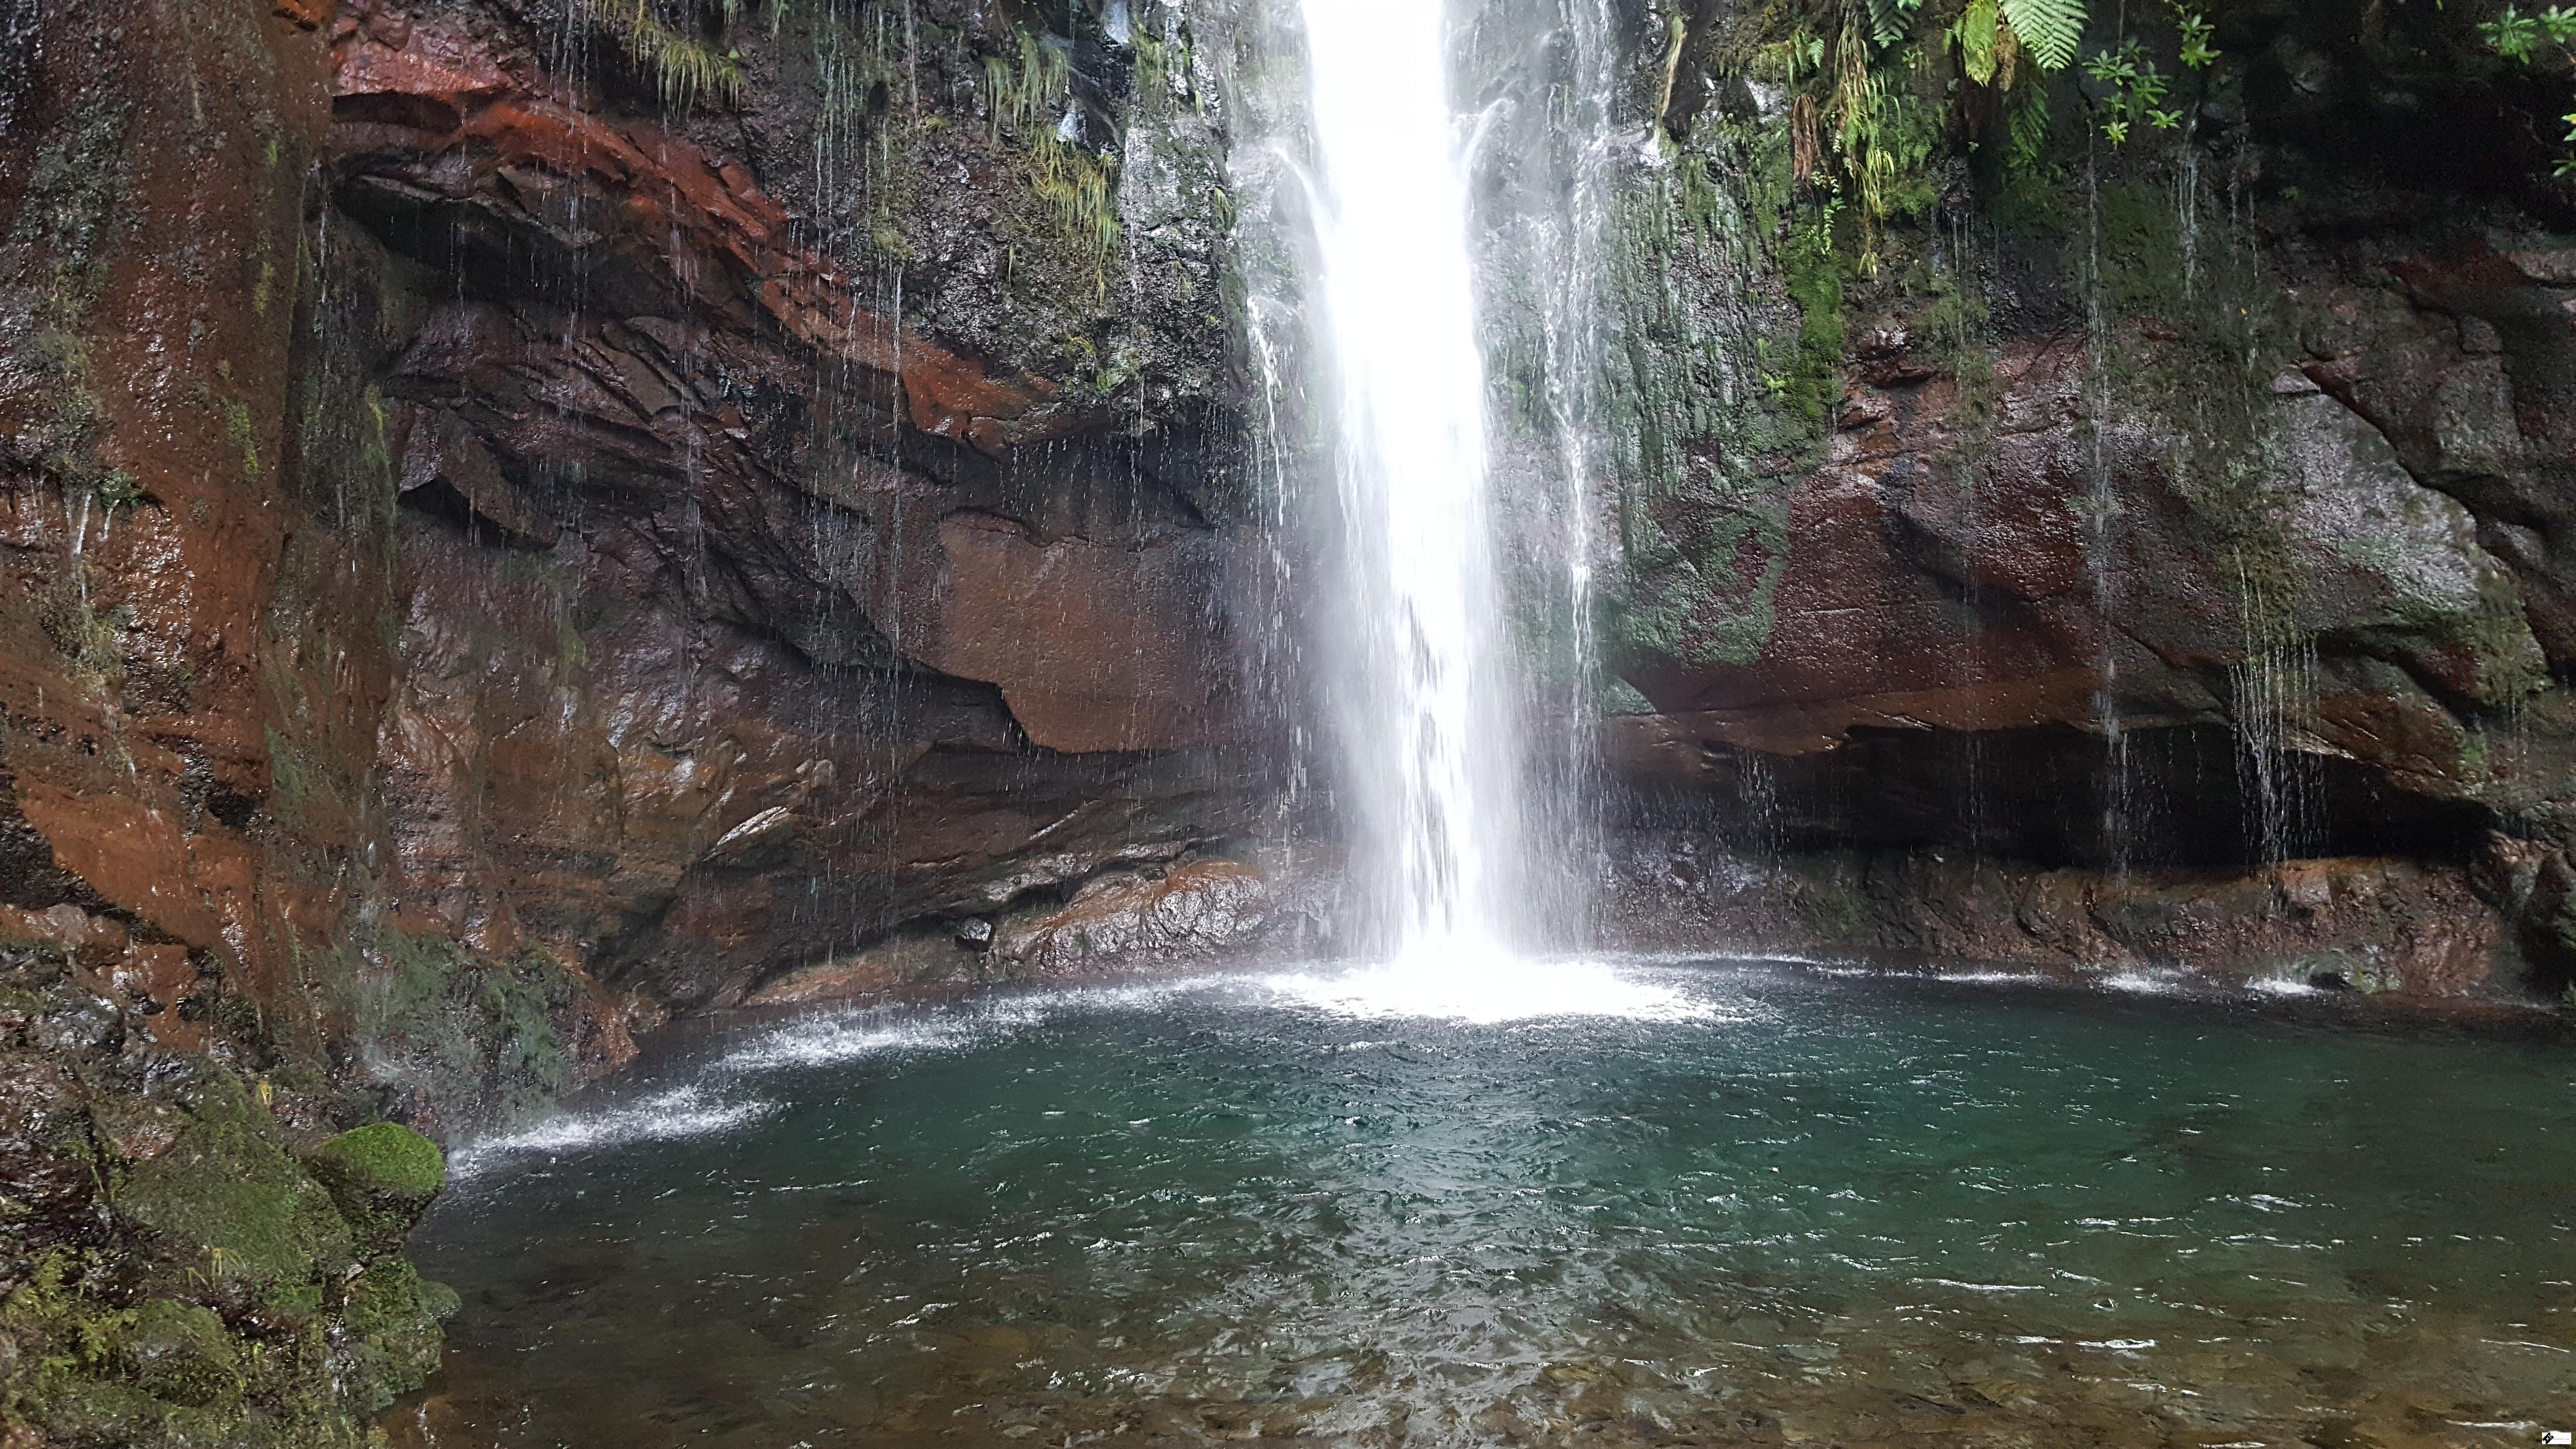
{"points": [[1806, 1209]]}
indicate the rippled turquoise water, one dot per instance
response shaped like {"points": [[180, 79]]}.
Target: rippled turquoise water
{"points": [[1824, 1209]]}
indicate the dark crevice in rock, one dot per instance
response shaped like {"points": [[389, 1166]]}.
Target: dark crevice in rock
{"points": [[2050, 797]]}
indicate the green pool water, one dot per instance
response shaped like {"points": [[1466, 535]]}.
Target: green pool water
{"points": [[1766, 1205]]}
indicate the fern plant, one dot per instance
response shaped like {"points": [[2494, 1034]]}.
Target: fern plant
{"points": [[1890, 20], [687, 71], [1987, 47], [1870, 104], [1993, 36], [2049, 29], [1026, 96]]}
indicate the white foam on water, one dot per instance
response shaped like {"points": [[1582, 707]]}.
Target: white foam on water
{"points": [[822, 1041], [720, 1099], [687, 1111], [1031, 1008], [1487, 990], [828, 1038]]}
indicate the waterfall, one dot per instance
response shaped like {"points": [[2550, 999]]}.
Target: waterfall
{"points": [[1441, 785], [1428, 719]]}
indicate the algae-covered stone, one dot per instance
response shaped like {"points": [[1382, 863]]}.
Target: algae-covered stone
{"points": [[238, 1211], [181, 1352], [457, 1042], [382, 1175], [390, 1337], [198, 1286]]}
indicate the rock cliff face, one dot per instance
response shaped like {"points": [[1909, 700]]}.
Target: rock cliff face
{"points": [[644, 505], [2171, 513], [474, 507], [521, 520], [639, 507]]}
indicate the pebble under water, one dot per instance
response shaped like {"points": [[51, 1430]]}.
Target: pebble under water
{"points": [[1772, 1205]]}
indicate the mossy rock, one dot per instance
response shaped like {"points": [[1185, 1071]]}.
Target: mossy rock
{"points": [[227, 1304], [463, 1043], [180, 1352], [89, 1375], [382, 1176], [236, 1210], [392, 1339]]}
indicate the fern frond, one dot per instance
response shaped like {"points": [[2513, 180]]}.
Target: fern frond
{"points": [[1025, 93], [1975, 33], [687, 70], [2028, 127], [2048, 29], [1890, 19]]}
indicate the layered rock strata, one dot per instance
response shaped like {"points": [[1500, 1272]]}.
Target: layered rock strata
{"points": [[486, 568], [2185, 509]]}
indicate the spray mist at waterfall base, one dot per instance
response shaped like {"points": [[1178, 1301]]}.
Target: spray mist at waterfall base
{"points": [[1468, 981]]}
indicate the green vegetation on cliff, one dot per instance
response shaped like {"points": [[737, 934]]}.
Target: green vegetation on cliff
{"points": [[438, 1034], [172, 1273]]}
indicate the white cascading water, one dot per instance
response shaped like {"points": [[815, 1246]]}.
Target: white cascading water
{"points": [[1431, 717], [1399, 307]]}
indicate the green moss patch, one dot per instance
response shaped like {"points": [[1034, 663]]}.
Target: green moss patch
{"points": [[231, 1206], [451, 1039], [382, 1176], [174, 1278]]}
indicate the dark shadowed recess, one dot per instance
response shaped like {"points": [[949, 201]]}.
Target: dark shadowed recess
{"points": [[2055, 796]]}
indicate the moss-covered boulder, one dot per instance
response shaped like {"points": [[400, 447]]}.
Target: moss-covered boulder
{"points": [[228, 1204], [171, 1275], [180, 1352], [382, 1176], [389, 1339]]}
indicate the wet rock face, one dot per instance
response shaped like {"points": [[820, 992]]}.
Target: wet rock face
{"points": [[522, 522], [488, 567], [2347, 652], [1140, 916], [188, 1256], [1924, 590], [2392, 928], [2464, 365], [744, 624], [2139, 538]]}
